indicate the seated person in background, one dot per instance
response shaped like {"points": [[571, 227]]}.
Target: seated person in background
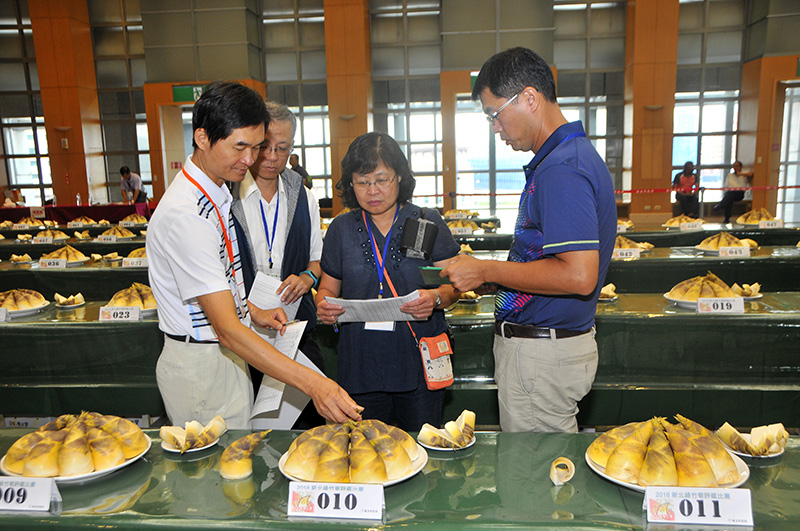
{"points": [[734, 184], [686, 184]]}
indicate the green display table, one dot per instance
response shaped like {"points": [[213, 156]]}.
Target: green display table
{"points": [[96, 280], [658, 270], [87, 247], [59, 361], [502, 482]]}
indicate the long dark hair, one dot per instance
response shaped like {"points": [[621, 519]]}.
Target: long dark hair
{"points": [[364, 155]]}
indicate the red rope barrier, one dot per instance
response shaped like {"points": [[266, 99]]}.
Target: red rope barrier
{"points": [[637, 191]]}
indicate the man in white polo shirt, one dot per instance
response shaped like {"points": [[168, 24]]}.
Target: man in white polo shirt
{"points": [[195, 273]]}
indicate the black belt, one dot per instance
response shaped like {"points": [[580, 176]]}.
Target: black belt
{"points": [[533, 332], [182, 339]]}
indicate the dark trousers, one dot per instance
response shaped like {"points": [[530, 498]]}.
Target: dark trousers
{"points": [[309, 417], [407, 410], [728, 199], [689, 204]]}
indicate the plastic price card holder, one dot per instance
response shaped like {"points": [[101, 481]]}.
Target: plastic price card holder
{"points": [[29, 495], [698, 506], [339, 501], [430, 275]]}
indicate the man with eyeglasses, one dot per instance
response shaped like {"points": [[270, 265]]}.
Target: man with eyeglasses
{"points": [[544, 347], [279, 219]]}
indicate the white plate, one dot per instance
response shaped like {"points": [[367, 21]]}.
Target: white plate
{"points": [[691, 305], [754, 297], [474, 438], [416, 466], [167, 447], [27, 262], [469, 301], [612, 299], [30, 311], [149, 312], [117, 259], [76, 263], [741, 468], [70, 306], [746, 436], [90, 475]]}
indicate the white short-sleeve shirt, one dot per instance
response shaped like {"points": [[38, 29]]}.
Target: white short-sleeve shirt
{"points": [[252, 202], [187, 254]]}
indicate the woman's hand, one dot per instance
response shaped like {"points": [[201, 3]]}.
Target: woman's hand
{"points": [[421, 308], [294, 287], [328, 312]]}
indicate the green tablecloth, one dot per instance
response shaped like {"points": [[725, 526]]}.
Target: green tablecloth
{"points": [[502, 482], [96, 280], [659, 236], [59, 361], [87, 247], [653, 357]]}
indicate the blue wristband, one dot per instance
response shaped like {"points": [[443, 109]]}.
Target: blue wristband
{"points": [[314, 278]]}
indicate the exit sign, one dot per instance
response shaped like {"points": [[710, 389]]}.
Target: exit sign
{"points": [[187, 92]]}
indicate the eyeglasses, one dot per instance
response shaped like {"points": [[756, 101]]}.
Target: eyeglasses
{"points": [[280, 150], [491, 118], [381, 184]]}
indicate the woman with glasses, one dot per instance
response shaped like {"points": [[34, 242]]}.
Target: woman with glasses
{"points": [[379, 363]]}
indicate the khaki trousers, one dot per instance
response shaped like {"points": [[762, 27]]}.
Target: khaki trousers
{"points": [[200, 381], [541, 381]]}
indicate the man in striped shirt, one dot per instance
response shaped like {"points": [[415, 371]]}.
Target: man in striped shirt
{"points": [[195, 273]]}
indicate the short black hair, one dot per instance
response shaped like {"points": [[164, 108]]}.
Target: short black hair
{"points": [[364, 155], [124, 170], [508, 73], [225, 106]]}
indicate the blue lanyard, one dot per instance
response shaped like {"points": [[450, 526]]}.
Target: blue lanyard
{"points": [[274, 223], [382, 266]]}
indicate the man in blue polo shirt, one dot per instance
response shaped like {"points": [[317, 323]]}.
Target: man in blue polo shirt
{"points": [[544, 349]]}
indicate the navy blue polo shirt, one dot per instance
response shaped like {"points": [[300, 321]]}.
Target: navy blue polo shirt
{"points": [[567, 205]]}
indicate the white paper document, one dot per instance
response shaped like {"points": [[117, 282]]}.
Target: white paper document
{"points": [[271, 391], [290, 404], [366, 310], [263, 295]]}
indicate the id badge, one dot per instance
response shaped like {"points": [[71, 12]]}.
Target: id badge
{"points": [[379, 326]]}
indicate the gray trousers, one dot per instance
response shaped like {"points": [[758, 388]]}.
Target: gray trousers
{"points": [[541, 381]]}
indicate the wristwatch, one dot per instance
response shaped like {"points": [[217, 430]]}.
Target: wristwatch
{"points": [[438, 299]]}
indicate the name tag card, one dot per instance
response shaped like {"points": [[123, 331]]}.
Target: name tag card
{"points": [[734, 252], [458, 231], [622, 228], [134, 262], [770, 224], [53, 263], [107, 238], [342, 501], [120, 313], [694, 225], [75, 225], [20, 226], [42, 239], [127, 223], [684, 505], [720, 305], [626, 254], [458, 215], [28, 494], [3, 315], [37, 212]]}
